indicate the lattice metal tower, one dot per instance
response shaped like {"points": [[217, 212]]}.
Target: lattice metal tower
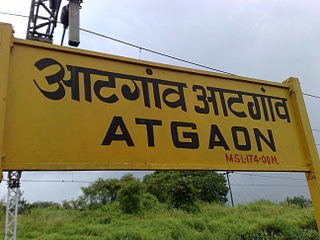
{"points": [[43, 20], [12, 205]]}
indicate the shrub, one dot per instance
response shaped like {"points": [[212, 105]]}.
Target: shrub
{"points": [[125, 235], [101, 191], [208, 186], [148, 201], [254, 234], [182, 195], [130, 195], [299, 234], [300, 201]]}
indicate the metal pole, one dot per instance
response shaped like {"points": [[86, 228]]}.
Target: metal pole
{"points": [[63, 34], [12, 205], [231, 197], [74, 22]]}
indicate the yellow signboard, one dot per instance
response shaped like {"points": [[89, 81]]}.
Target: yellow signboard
{"points": [[67, 109], [77, 110]]}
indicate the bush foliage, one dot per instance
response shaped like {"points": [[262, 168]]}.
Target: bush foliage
{"points": [[178, 189], [261, 220], [206, 186], [299, 201]]}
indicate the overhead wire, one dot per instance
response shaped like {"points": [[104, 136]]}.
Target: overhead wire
{"points": [[14, 14], [238, 185], [154, 52], [137, 46], [267, 185], [311, 95], [148, 50], [51, 181], [260, 185], [257, 175]]}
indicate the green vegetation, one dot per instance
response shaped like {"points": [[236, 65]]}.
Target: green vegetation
{"points": [[182, 189], [300, 201], [177, 189], [164, 206], [261, 220]]}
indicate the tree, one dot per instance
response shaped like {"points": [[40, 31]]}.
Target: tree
{"points": [[182, 194], [130, 194], [207, 186], [159, 183], [211, 186], [179, 189], [101, 191]]}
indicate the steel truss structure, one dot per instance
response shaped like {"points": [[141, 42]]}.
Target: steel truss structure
{"points": [[12, 205], [43, 20]]}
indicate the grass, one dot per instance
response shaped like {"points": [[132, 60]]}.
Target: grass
{"points": [[262, 220]]}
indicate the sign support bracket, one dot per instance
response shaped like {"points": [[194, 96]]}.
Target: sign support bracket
{"points": [[6, 44], [313, 177]]}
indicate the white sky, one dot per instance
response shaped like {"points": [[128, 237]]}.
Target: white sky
{"points": [[270, 40]]}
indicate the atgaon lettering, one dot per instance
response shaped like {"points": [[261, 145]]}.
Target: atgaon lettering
{"points": [[163, 94], [242, 138]]}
